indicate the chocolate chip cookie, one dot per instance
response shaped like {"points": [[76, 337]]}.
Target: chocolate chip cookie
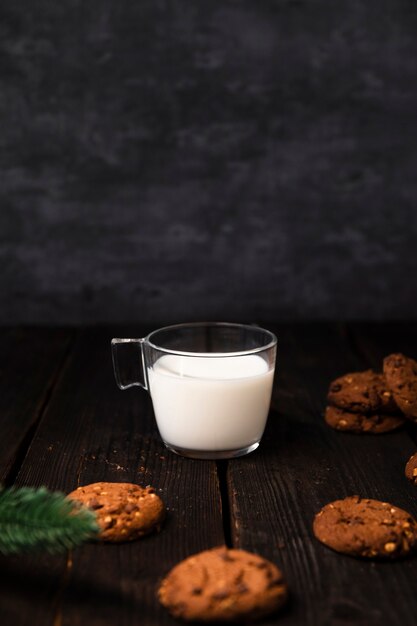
{"points": [[223, 585], [366, 528], [124, 511], [401, 376], [411, 469], [362, 392], [375, 423]]}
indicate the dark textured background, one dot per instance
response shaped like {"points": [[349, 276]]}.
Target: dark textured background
{"points": [[164, 161]]}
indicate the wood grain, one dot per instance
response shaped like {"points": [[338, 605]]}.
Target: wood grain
{"points": [[92, 432], [30, 361], [303, 464]]}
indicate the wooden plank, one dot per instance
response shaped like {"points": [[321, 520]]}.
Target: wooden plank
{"points": [[303, 464], [91, 431], [30, 361]]}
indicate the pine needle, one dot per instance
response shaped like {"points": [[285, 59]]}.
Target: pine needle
{"points": [[38, 519]]}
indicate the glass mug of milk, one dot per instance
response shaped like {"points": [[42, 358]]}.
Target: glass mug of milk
{"points": [[210, 384]]}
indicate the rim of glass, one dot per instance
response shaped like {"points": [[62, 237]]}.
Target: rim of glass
{"points": [[271, 343]]}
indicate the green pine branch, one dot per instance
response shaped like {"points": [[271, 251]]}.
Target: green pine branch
{"points": [[38, 519]]}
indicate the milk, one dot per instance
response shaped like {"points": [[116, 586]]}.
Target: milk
{"points": [[211, 403]]}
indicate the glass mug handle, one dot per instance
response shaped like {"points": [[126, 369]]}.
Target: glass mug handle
{"points": [[129, 363]]}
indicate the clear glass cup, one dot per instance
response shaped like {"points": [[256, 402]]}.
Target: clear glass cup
{"points": [[210, 384]]}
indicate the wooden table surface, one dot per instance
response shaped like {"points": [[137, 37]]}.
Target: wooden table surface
{"points": [[65, 423]]}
